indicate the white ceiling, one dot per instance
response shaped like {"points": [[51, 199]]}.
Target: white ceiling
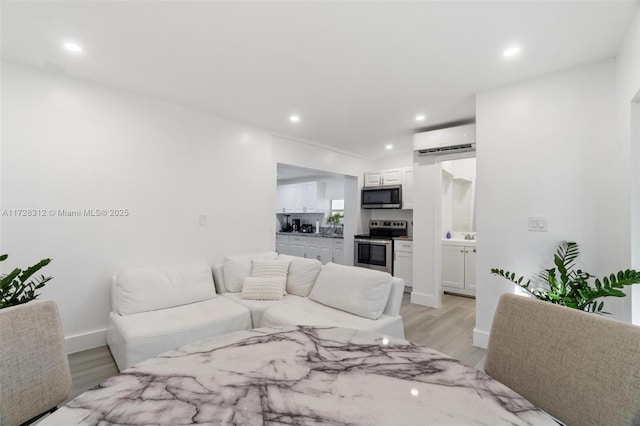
{"points": [[357, 73]]}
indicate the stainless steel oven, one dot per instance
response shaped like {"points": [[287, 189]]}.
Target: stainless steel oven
{"points": [[375, 250], [374, 253]]}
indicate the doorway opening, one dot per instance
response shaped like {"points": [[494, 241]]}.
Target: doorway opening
{"points": [[307, 199]]}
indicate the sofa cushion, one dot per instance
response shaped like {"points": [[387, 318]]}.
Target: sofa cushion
{"points": [[236, 268], [302, 274], [289, 314], [360, 291], [134, 338], [151, 288], [257, 307]]}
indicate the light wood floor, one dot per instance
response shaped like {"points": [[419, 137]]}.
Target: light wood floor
{"points": [[448, 329]]}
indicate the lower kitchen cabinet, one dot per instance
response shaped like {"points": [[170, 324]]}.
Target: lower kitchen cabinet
{"points": [[459, 269], [403, 262], [282, 244], [338, 251], [321, 248]]}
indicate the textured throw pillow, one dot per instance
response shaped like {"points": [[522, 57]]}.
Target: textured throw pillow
{"points": [[262, 288], [268, 280], [236, 268], [302, 274]]}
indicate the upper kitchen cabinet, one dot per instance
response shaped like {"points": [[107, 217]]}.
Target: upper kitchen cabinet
{"points": [[402, 176], [383, 177], [304, 197]]}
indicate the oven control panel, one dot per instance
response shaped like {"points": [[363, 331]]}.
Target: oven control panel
{"points": [[387, 224]]}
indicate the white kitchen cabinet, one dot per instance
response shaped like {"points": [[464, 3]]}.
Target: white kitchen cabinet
{"points": [[323, 249], [297, 246], [407, 188], [282, 244], [383, 177], [338, 251], [310, 197], [311, 248], [403, 262], [304, 197], [458, 269], [281, 204]]}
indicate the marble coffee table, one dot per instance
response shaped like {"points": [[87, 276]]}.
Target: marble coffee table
{"points": [[300, 376]]}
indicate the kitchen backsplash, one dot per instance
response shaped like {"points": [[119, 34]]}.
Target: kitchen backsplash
{"points": [[305, 218]]}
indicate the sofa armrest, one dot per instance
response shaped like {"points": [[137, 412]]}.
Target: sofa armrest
{"points": [[395, 297], [218, 278]]}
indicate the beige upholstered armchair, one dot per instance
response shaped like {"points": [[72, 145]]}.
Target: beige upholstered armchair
{"points": [[581, 368], [34, 370]]}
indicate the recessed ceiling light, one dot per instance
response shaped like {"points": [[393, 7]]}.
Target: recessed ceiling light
{"points": [[294, 118], [388, 146], [73, 47], [420, 117], [512, 51]]}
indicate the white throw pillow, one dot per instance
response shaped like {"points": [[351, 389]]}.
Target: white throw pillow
{"points": [[360, 291], [236, 268], [271, 269], [302, 274], [152, 288], [263, 288]]}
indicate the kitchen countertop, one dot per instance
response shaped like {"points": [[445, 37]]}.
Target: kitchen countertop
{"points": [[457, 242], [311, 234], [406, 238]]}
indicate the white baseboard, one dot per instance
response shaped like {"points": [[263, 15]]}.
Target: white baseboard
{"points": [[84, 341], [480, 338], [425, 299]]}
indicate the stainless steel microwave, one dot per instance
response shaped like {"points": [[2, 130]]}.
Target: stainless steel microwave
{"points": [[382, 197]]}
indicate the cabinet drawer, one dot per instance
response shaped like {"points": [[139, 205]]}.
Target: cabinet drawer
{"points": [[403, 246], [282, 238], [298, 240], [338, 242]]}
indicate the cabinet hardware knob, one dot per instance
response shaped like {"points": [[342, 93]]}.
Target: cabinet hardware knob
{"points": [[474, 250], [461, 251]]}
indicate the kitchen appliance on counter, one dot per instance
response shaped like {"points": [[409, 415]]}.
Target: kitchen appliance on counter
{"points": [[286, 226], [382, 197], [307, 228], [375, 250], [295, 224]]}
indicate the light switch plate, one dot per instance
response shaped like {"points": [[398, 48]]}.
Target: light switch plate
{"points": [[538, 223], [203, 220]]}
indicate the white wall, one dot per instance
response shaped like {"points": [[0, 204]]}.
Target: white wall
{"points": [[628, 103], [547, 147], [72, 144]]}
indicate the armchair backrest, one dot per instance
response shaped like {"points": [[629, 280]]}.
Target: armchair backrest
{"points": [[579, 367], [34, 370]]}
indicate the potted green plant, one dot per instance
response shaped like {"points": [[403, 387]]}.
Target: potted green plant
{"points": [[334, 219], [17, 287], [564, 285]]}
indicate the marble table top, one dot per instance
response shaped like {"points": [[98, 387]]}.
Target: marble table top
{"points": [[300, 376]]}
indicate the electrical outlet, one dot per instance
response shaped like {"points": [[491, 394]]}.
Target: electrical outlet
{"points": [[203, 220]]}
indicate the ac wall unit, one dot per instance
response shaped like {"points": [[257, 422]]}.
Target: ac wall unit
{"points": [[445, 141]]}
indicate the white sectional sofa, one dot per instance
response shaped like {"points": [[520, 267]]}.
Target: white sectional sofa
{"points": [[159, 308]]}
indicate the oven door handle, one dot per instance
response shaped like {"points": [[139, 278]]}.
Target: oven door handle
{"points": [[367, 241]]}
